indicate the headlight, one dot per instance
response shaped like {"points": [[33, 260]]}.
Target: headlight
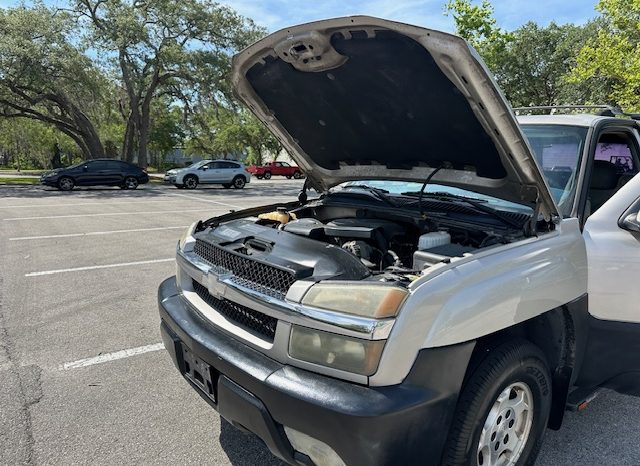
{"points": [[187, 240], [366, 300], [336, 351]]}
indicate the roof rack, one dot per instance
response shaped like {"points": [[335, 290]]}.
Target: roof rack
{"points": [[603, 110]]}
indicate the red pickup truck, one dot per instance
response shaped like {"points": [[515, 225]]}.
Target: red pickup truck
{"points": [[275, 168]]}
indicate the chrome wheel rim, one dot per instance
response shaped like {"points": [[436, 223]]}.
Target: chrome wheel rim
{"points": [[507, 427]]}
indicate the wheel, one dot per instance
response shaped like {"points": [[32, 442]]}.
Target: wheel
{"points": [[259, 177], [226, 185], [190, 182], [65, 183], [297, 175], [130, 182], [239, 182], [288, 177], [503, 409], [267, 175]]}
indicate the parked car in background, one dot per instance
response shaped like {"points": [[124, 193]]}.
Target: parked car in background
{"points": [[225, 172], [98, 172], [275, 168]]}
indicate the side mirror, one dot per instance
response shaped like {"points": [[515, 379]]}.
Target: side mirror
{"points": [[632, 222], [205, 168]]}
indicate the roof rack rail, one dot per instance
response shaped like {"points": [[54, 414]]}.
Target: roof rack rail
{"points": [[603, 110]]}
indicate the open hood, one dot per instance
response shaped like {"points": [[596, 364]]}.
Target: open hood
{"points": [[364, 98]]}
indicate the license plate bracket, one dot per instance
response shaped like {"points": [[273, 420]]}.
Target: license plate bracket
{"points": [[200, 373]]}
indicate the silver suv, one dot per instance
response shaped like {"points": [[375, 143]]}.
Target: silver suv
{"points": [[228, 173], [461, 281]]}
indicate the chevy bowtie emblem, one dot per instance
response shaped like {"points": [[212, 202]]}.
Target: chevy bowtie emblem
{"points": [[215, 285]]}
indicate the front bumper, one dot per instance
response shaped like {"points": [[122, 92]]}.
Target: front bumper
{"points": [[49, 181], [403, 424]]}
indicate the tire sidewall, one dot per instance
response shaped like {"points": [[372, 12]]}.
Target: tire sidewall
{"points": [[60, 184], [267, 175], [132, 180], [532, 371], [540, 385], [187, 179], [238, 179]]}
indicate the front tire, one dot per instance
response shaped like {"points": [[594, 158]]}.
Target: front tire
{"points": [[190, 182], [65, 184], [267, 175], [297, 175], [503, 409]]}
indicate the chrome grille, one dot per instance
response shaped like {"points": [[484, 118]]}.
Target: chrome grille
{"points": [[247, 272], [250, 319]]}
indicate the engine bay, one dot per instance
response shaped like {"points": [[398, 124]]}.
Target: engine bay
{"points": [[393, 244]]}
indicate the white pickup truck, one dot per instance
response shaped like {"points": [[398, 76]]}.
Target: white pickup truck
{"points": [[462, 279]]}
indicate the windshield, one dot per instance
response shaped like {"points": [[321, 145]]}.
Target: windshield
{"points": [[399, 187], [198, 164], [558, 151]]}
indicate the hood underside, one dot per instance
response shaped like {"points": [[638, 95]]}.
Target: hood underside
{"points": [[363, 98]]}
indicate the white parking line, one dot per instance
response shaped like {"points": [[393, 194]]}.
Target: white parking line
{"points": [[96, 267], [107, 214], [94, 233], [97, 202], [202, 199], [107, 357]]}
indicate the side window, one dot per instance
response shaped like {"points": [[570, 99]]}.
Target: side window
{"points": [[618, 152], [284, 164], [98, 165], [615, 163], [115, 166], [229, 165]]}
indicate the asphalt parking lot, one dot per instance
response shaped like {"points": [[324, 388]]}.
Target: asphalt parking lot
{"points": [[83, 376]]}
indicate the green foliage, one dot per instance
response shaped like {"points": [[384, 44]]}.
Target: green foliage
{"points": [[534, 67], [614, 54], [46, 76], [222, 131], [164, 47], [532, 64], [477, 25]]}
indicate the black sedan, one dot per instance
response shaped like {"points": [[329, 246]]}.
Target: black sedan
{"points": [[99, 172]]}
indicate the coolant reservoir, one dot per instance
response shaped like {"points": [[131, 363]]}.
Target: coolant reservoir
{"points": [[433, 239]]}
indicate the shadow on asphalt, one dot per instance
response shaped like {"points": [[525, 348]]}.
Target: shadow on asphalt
{"points": [[147, 191], [245, 449]]}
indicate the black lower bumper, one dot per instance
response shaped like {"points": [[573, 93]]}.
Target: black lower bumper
{"points": [[402, 424]]}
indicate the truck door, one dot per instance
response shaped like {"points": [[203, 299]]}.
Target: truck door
{"points": [[612, 239]]}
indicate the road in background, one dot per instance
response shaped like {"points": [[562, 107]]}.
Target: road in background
{"points": [[83, 379]]}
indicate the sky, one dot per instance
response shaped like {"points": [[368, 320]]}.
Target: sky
{"points": [[277, 14]]}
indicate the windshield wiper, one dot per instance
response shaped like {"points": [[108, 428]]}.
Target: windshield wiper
{"points": [[378, 193], [478, 204]]}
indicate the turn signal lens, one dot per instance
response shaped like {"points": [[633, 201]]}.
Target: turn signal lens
{"points": [[336, 351]]}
